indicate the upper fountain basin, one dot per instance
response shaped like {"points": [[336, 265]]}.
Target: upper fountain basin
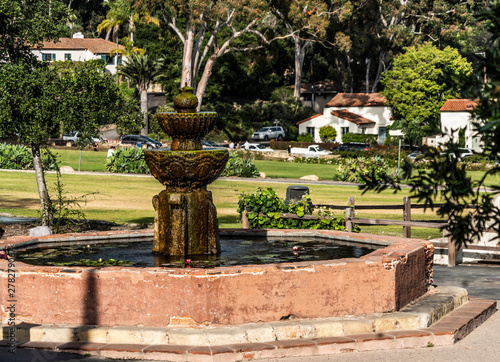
{"points": [[187, 125], [186, 169]]}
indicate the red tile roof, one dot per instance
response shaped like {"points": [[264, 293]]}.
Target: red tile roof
{"points": [[94, 45], [459, 105], [307, 119], [351, 117], [357, 100]]}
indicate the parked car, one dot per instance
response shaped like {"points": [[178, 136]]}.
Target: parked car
{"points": [[259, 148], [267, 133], [73, 137], [210, 145], [413, 155], [352, 146], [140, 140], [462, 153]]}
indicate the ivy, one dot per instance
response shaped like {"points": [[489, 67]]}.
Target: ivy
{"points": [[264, 207]]}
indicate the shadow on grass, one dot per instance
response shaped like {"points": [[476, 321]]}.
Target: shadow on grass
{"points": [[229, 219], [142, 220]]}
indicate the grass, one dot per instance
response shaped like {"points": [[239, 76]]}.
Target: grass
{"points": [[96, 161], [127, 199]]}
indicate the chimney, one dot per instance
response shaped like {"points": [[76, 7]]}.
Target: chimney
{"points": [[78, 35]]}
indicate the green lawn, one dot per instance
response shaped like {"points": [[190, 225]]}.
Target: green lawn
{"points": [[128, 199], [96, 161]]}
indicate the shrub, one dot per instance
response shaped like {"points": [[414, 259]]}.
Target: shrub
{"points": [[363, 169], [359, 138], [127, 160], [305, 137], [18, 157], [240, 166], [264, 207], [328, 134]]}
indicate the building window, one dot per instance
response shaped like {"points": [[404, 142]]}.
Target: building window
{"points": [[345, 130], [107, 59], [47, 57], [120, 60], [363, 130], [310, 130], [67, 56]]}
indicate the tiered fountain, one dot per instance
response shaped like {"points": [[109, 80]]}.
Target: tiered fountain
{"points": [[185, 216]]}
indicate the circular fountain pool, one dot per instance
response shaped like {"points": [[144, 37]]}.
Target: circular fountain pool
{"points": [[235, 251], [384, 280]]}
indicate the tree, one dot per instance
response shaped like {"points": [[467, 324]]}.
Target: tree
{"points": [[27, 23], [445, 177], [210, 29], [143, 71], [422, 79], [327, 133], [305, 22], [39, 100]]}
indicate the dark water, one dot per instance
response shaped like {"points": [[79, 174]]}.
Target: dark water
{"points": [[234, 252]]}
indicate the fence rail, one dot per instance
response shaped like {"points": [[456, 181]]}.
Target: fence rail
{"points": [[407, 223]]}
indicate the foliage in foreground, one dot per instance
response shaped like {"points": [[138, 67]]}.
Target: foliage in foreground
{"points": [[264, 207]]}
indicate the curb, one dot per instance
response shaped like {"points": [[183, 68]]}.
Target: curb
{"points": [[451, 328]]}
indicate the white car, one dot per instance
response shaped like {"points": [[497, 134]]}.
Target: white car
{"points": [[73, 137], [259, 148], [267, 133]]}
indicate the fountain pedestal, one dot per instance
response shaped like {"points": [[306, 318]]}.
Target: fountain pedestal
{"points": [[185, 216], [185, 223]]}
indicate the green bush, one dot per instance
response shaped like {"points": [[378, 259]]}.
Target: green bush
{"points": [[240, 166], [359, 138], [328, 134], [305, 137], [363, 169], [19, 157], [264, 207], [127, 160]]}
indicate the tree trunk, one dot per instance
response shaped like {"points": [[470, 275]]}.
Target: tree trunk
{"points": [[381, 68], [42, 186], [299, 61], [207, 72], [367, 76], [187, 57], [144, 109]]}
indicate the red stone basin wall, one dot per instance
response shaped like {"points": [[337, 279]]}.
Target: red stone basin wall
{"points": [[382, 281]]}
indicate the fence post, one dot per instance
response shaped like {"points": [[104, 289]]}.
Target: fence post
{"points": [[349, 213], [452, 251], [407, 216], [245, 223]]}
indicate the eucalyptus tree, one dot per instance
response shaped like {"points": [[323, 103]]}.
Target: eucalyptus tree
{"points": [[142, 71], [306, 22], [209, 29]]}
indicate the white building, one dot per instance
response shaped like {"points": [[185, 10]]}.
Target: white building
{"points": [[366, 113], [79, 48], [456, 115]]}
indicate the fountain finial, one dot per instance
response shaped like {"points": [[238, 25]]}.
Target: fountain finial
{"points": [[186, 101]]}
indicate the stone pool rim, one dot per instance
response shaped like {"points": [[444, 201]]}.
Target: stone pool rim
{"points": [[396, 275]]}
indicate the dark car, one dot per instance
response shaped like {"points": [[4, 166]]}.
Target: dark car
{"points": [[140, 140], [352, 146], [210, 145]]}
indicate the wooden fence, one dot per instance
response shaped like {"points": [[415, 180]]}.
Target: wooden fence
{"points": [[407, 223]]}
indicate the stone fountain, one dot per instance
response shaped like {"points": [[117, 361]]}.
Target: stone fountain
{"points": [[185, 216]]}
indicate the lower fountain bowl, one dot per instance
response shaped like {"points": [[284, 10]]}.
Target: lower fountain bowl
{"points": [[186, 169], [385, 280]]}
